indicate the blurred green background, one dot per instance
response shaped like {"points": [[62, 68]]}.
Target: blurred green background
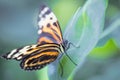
{"points": [[18, 27]]}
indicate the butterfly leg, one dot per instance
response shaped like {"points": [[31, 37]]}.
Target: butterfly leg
{"points": [[70, 59]]}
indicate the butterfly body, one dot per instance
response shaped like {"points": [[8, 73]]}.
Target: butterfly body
{"points": [[49, 46]]}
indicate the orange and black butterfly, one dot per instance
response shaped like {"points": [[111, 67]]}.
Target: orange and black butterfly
{"points": [[50, 44]]}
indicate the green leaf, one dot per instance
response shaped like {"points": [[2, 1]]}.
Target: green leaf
{"points": [[42, 74], [106, 51], [83, 30]]}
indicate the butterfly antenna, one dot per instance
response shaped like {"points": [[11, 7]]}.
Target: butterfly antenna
{"points": [[76, 46], [71, 59]]}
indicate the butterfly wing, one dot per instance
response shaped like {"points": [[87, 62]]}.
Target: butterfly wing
{"points": [[20, 53], [46, 55], [49, 29], [35, 56]]}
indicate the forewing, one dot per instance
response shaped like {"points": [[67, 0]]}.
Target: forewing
{"points": [[49, 29]]}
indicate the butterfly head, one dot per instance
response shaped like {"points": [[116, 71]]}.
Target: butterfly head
{"points": [[66, 45]]}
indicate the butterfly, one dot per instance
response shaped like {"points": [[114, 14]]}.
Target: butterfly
{"points": [[49, 46]]}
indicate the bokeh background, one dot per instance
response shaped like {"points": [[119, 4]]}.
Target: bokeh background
{"points": [[18, 27]]}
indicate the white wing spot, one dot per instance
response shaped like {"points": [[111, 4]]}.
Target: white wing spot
{"points": [[19, 58], [41, 22], [22, 51], [45, 20], [33, 46], [16, 55], [44, 10], [39, 31], [12, 52]]}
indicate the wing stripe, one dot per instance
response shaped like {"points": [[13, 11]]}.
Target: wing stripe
{"points": [[17, 50], [47, 35], [57, 30], [39, 49], [53, 37], [43, 48], [49, 30], [44, 57], [56, 34], [42, 51], [41, 58]]}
